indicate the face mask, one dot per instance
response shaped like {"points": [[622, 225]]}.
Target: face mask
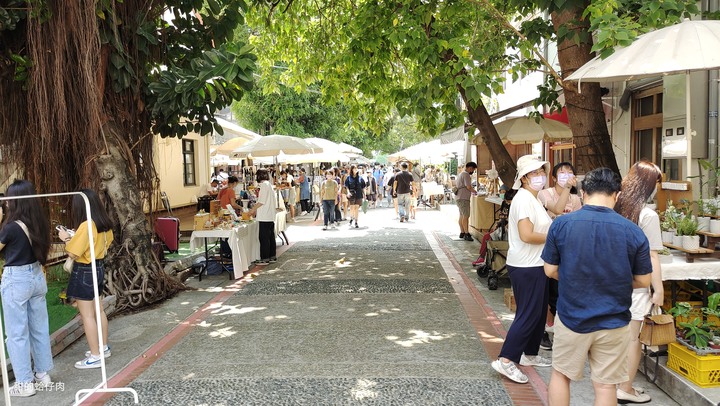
{"points": [[652, 196], [563, 178], [537, 183]]}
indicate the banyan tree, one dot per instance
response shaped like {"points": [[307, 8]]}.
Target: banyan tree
{"points": [[85, 85]]}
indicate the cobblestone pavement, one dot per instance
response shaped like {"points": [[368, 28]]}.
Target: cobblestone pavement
{"points": [[365, 316]]}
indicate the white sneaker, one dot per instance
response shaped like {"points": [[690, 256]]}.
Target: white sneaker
{"points": [[89, 363], [535, 361], [43, 382], [302, 213], [106, 352], [509, 370], [22, 389]]}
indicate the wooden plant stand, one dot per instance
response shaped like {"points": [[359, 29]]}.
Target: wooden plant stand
{"points": [[690, 255]]}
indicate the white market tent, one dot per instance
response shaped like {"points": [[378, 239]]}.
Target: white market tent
{"points": [[429, 153]]}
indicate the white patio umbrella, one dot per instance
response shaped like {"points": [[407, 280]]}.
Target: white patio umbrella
{"points": [[681, 48], [273, 145], [347, 148], [241, 136], [524, 130]]}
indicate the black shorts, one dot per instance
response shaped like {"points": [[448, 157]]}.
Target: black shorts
{"points": [[80, 286], [355, 201]]}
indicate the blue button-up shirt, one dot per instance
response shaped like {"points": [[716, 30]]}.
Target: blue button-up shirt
{"points": [[597, 252]]}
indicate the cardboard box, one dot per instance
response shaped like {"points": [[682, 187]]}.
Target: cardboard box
{"points": [[214, 206], [199, 221], [510, 300]]}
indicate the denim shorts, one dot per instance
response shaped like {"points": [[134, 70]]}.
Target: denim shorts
{"points": [[80, 286]]}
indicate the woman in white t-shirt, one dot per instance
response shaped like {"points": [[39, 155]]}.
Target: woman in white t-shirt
{"points": [[265, 209], [639, 187], [528, 223]]}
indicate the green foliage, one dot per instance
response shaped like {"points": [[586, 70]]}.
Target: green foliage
{"points": [[11, 12], [696, 332], [687, 226], [681, 309], [381, 57]]}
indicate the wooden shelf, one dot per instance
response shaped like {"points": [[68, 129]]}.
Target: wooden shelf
{"points": [[690, 255]]}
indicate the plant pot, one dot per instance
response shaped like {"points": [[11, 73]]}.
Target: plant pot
{"points": [[691, 242], [667, 236], [715, 226], [677, 240], [666, 259], [703, 223]]}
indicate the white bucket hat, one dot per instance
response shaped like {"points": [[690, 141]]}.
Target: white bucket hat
{"points": [[527, 164]]}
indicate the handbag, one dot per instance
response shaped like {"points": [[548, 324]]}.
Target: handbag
{"points": [[657, 329]]}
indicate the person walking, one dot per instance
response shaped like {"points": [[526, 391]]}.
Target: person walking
{"points": [[528, 223], [25, 243], [329, 195], [264, 210], [304, 183], [598, 257], [402, 188], [462, 198], [355, 186], [80, 288], [558, 200], [639, 187]]}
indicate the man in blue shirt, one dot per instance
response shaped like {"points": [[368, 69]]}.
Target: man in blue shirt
{"points": [[598, 257]]}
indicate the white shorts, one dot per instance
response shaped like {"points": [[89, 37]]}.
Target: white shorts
{"points": [[640, 303]]}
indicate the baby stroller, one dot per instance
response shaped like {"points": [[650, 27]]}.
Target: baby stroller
{"points": [[494, 265], [494, 247]]}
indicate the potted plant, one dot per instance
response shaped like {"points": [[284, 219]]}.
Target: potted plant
{"points": [[690, 239], [705, 209], [671, 216], [665, 256]]}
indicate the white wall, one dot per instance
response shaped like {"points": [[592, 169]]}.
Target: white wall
{"points": [[169, 166]]}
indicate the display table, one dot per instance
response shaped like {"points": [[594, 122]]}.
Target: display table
{"points": [[482, 215], [281, 226], [432, 189], [243, 240], [701, 269]]}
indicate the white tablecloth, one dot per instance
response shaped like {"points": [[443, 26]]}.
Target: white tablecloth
{"points": [[494, 200], [680, 270], [280, 223], [432, 189], [243, 240]]}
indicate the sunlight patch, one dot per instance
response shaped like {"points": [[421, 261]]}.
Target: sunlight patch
{"points": [[223, 333], [363, 389], [420, 337]]}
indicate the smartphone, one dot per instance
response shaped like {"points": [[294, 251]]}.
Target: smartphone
{"points": [[60, 227]]}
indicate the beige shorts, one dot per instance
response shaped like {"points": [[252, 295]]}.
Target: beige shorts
{"points": [[606, 350], [641, 304], [464, 207]]}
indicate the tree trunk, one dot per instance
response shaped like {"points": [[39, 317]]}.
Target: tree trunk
{"points": [[585, 111], [133, 274], [481, 120]]}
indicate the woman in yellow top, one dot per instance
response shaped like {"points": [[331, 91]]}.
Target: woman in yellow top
{"points": [[329, 195], [80, 286]]}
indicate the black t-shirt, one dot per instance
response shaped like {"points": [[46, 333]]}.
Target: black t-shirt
{"points": [[404, 181], [18, 250]]}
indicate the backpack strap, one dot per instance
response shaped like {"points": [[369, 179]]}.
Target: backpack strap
{"points": [[25, 229]]}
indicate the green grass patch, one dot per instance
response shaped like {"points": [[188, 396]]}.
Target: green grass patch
{"points": [[58, 313]]}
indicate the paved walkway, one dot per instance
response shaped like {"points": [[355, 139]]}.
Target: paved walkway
{"points": [[386, 314]]}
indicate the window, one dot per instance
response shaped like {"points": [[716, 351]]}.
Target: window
{"points": [[647, 122], [188, 147]]}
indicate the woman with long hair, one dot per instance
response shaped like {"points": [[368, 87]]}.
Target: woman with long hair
{"points": [[638, 187], [355, 187], [265, 211], [25, 243], [80, 288], [528, 224]]}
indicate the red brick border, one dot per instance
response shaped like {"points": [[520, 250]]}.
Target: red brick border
{"points": [[491, 331]]}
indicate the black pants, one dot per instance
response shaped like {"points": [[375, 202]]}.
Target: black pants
{"points": [[267, 240], [305, 205], [338, 214]]}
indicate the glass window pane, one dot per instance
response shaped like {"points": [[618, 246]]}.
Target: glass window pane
{"points": [[644, 145]]}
